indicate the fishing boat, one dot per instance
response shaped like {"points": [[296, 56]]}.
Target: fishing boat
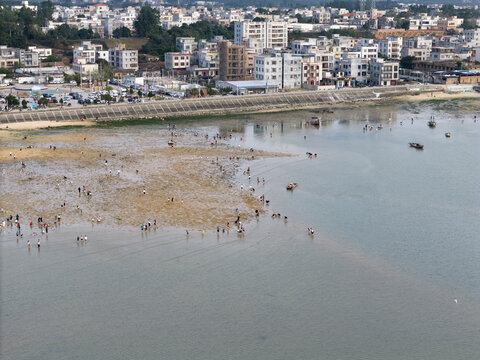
{"points": [[315, 121], [416, 145], [171, 143], [432, 122], [447, 134], [291, 186]]}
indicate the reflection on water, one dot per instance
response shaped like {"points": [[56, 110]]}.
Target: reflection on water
{"points": [[392, 272]]}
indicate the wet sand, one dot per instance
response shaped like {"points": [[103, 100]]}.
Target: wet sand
{"points": [[202, 188]]}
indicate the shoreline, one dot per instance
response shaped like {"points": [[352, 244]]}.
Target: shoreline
{"points": [[426, 96]]}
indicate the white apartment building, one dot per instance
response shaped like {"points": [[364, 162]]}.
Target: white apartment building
{"points": [[418, 46], [367, 49], [42, 52], [384, 73], [27, 58], [391, 47], [307, 46], [282, 69], [353, 65], [472, 37], [442, 54], [185, 44], [346, 43], [122, 58], [259, 35], [423, 22], [80, 66], [322, 16], [32, 56]]}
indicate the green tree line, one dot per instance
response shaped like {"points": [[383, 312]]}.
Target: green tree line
{"points": [[162, 41], [23, 27]]}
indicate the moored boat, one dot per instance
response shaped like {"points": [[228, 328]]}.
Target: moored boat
{"points": [[171, 143], [432, 122], [447, 134], [416, 145], [291, 186], [315, 121]]}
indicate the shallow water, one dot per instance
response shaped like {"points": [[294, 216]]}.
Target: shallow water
{"points": [[396, 242]]}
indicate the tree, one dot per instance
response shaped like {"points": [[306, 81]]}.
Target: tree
{"points": [[226, 90], [407, 62], [139, 93], [403, 24], [105, 71], [8, 73], [12, 100], [107, 97], [50, 79], [43, 101], [52, 58], [45, 12], [147, 21], [24, 103], [469, 24], [122, 32]]}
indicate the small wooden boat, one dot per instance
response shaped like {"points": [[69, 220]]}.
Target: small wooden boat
{"points": [[291, 186], [315, 121], [171, 143], [447, 134], [416, 145]]}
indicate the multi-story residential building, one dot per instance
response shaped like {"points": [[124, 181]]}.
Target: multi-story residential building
{"points": [[423, 22], [383, 72], [449, 23], [259, 35], [80, 66], [86, 51], [177, 61], [122, 58], [234, 61], [418, 46], [327, 61], [367, 49], [7, 57], [472, 37], [311, 74], [442, 54], [42, 52], [391, 47], [27, 57], [346, 43], [302, 46], [25, 5], [282, 69], [322, 16], [185, 44], [352, 65]]}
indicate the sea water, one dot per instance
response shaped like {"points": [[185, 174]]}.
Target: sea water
{"points": [[392, 271]]}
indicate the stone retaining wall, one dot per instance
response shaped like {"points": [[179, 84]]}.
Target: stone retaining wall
{"points": [[214, 105]]}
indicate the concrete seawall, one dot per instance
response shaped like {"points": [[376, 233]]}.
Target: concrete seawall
{"points": [[215, 105]]}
